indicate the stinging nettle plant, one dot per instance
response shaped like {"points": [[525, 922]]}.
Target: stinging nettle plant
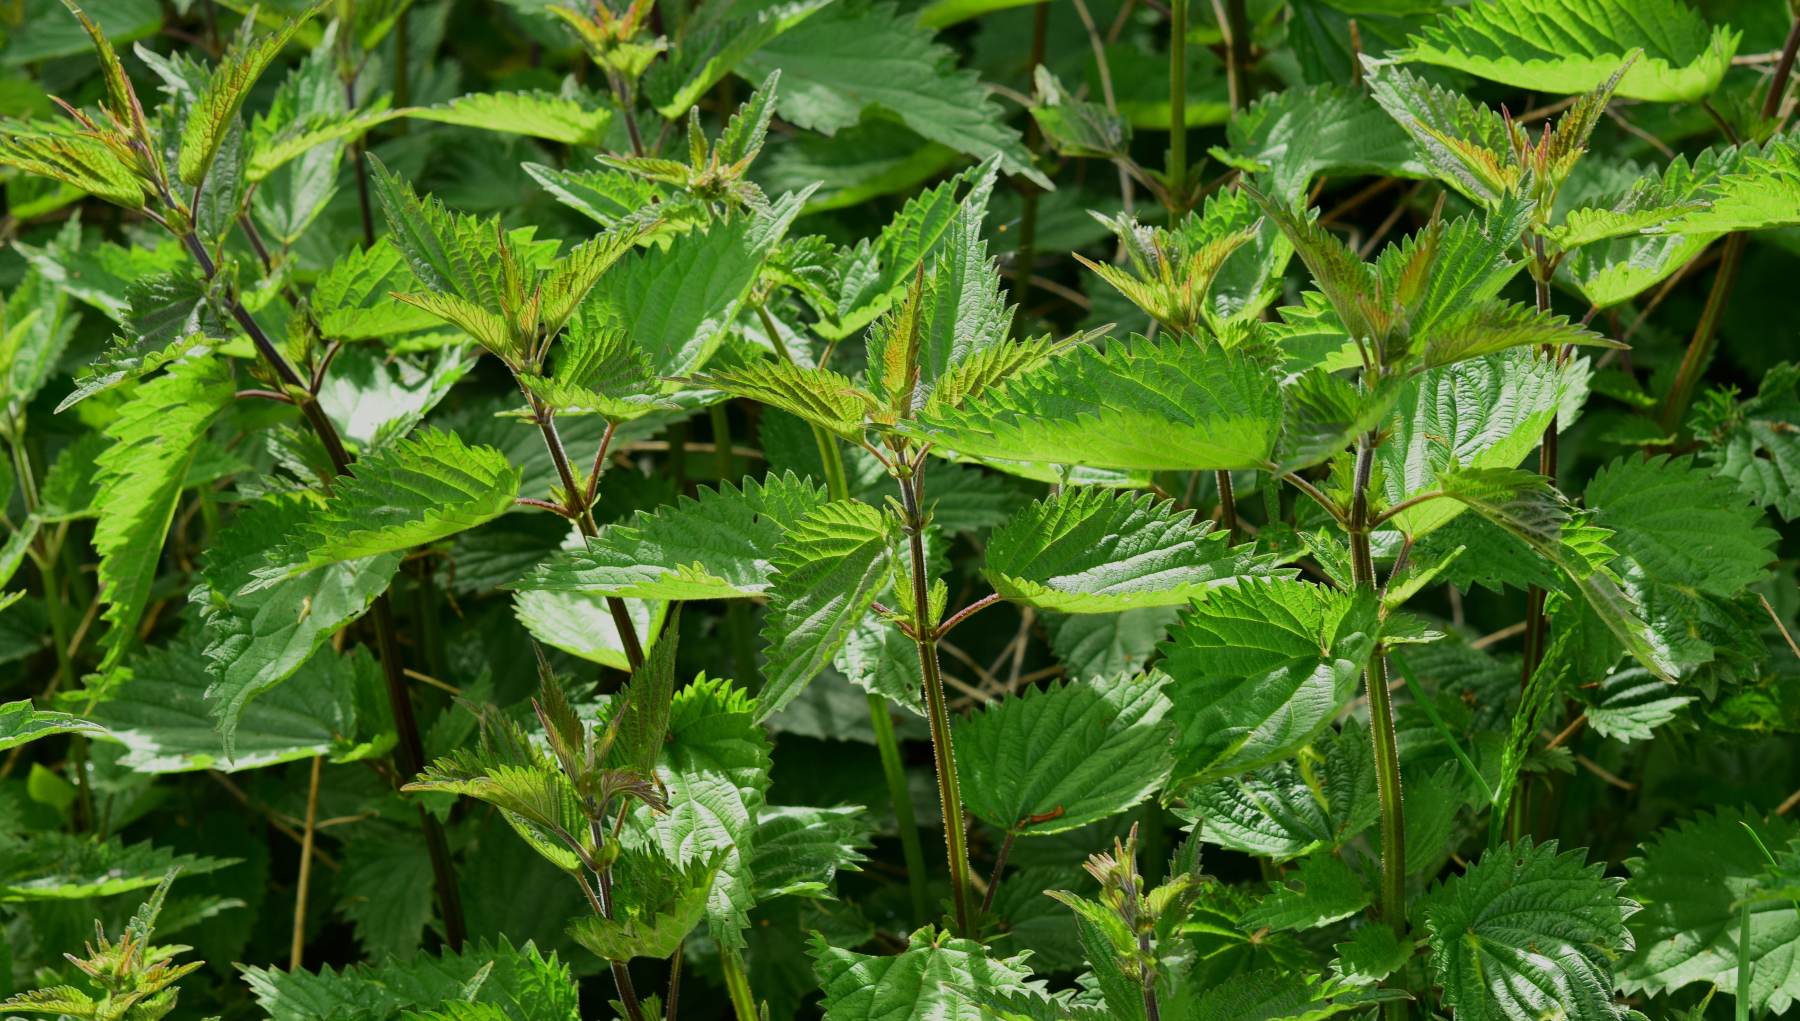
{"points": [[549, 511]]}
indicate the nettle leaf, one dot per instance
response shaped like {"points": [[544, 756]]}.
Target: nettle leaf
{"points": [[715, 765], [862, 281], [1630, 704], [417, 491], [1526, 506], [451, 253], [1693, 880], [1482, 413], [827, 573], [825, 398], [71, 867], [257, 636], [571, 120], [140, 478], [719, 545], [522, 983], [937, 976], [20, 723], [1060, 757], [1545, 45], [1091, 550], [353, 298], [1321, 891], [868, 57], [800, 849], [1162, 405], [1260, 668], [1682, 524], [1298, 134], [713, 44], [1526, 932], [1464, 143], [50, 150], [1275, 995], [1757, 191], [655, 905], [582, 625], [1756, 443], [599, 370], [215, 112], [677, 301], [166, 722]]}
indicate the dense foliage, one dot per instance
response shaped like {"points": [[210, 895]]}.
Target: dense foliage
{"points": [[534, 511]]}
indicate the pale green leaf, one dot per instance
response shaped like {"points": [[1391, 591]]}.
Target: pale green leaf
{"points": [[572, 120], [20, 723], [1060, 757], [1091, 550], [937, 976]]}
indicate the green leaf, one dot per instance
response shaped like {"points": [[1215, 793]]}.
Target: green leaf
{"points": [[582, 625], [1758, 191], [1526, 932], [599, 370], [20, 723], [163, 718], [1500, 326], [1321, 891], [572, 120], [1060, 757], [717, 546], [50, 150], [937, 976], [1371, 954], [353, 298], [825, 398], [827, 572], [1483, 413], [1547, 46], [140, 477], [1693, 880], [1682, 524], [1298, 134], [70, 867], [858, 58], [257, 636], [677, 301], [1092, 550], [417, 491], [215, 112], [655, 905], [1756, 443], [1525, 505], [1630, 704], [1161, 405], [1464, 143], [1261, 668], [801, 849], [714, 44], [448, 252], [716, 767], [523, 983]]}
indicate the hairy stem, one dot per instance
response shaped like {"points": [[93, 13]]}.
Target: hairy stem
{"points": [[582, 513], [297, 947], [409, 749], [956, 845], [737, 986], [1706, 332], [1381, 714], [1177, 170]]}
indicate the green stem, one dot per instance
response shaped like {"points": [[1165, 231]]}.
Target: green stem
{"points": [[1237, 52], [737, 986], [1381, 719], [956, 846], [1178, 20], [894, 772], [54, 605]]}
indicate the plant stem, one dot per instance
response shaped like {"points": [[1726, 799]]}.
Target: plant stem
{"points": [[1227, 505], [600, 896], [582, 513], [1536, 624], [1381, 715], [894, 772], [1705, 339], [956, 845], [1178, 20], [409, 749], [737, 986], [361, 164], [1005, 852], [297, 948], [1234, 18]]}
